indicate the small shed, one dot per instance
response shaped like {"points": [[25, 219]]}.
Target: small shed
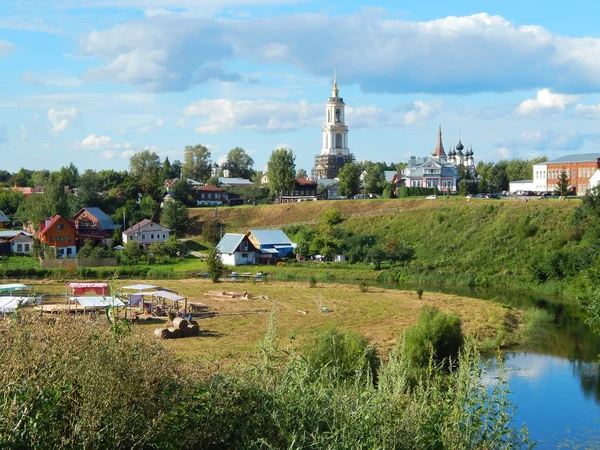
{"points": [[80, 289], [273, 243]]}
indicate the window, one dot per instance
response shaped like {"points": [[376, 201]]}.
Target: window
{"points": [[19, 247], [26, 247], [51, 238], [164, 236], [58, 238], [69, 249], [143, 237], [151, 236], [579, 172], [573, 173], [60, 226], [202, 196], [68, 238]]}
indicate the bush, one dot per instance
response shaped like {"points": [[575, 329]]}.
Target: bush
{"points": [[332, 217], [420, 293], [438, 335], [77, 384], [312, 281], [342, 355]]}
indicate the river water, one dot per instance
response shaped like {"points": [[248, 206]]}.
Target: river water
{"points": [[556, 384]]}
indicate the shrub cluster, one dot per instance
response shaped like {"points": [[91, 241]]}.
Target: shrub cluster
{"points": [[85, 384]]}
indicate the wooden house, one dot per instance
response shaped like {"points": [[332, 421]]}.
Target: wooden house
{"points": [[146, 233], [236, 250], [93, 224], [59, 233]]}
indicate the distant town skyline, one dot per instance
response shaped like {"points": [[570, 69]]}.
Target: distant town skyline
{"points": [[94, 81]]}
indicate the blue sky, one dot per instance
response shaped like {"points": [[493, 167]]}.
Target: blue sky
{"points": [[92, 81]]}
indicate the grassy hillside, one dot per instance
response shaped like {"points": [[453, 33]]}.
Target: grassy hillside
{"points": [[480, 242]]}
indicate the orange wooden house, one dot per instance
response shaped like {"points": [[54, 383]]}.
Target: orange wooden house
{"points": [[59, 233]]}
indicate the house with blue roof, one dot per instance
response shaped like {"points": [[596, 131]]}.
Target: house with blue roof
{"points": [[237, 250], [92, 223], [271, 243], [254, 246]]}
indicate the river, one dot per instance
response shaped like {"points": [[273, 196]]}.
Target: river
{"points": [[555, 385]]}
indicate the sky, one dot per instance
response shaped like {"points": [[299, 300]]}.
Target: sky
{"points": [[94, 81]]}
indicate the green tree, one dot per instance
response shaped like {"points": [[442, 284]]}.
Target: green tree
{"points": [[133, 251], [376, 255], [21, 179], [56, 197], [215, 264], [213, 181], [301, 173], [463, 187], [331, 217], [196, 163], [374, 179], [147, 207], [10, 201], [211, 230], [281, 171], [89, 189], [69, 175], [239, 163], [175, 216], [563, 184], [166, 170], [145, 167], [349, 177], [184, 192], [117, 238]]}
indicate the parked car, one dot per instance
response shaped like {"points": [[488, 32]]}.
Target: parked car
{"points": [[470, 196], [359, 197], [431, 197]]}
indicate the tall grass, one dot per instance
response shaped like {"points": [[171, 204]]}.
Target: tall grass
{"points": [[78, 384]]}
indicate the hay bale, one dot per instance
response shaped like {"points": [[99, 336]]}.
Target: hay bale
{"points": [[180, 322], [194, 330], [162, 333], [175, 333], [192, 323], [186, 332]]}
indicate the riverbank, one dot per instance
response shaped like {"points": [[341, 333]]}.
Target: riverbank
{"points": [[233, 327]]}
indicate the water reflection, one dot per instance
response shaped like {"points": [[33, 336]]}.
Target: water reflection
{"points": [[557, 398], [555, 384]]}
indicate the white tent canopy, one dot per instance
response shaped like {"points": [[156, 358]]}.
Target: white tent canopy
{"points": [[10, 304], [141, 287], [166, 295], [97, 302]]}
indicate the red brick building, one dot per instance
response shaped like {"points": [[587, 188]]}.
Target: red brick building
{"points": [[579, 169]]}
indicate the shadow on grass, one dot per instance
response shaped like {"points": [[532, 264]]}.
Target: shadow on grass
{"points": [[210, 333]]}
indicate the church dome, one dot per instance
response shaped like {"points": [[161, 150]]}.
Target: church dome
{"points": [[460, 146]]}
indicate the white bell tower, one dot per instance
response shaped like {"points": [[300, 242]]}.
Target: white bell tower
{"points": [[335, 131]]}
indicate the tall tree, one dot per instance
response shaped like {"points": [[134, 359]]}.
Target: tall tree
{"points": [[215, 264], [176, 169], [563, 184], [375, 179], [69, 175], [175, 216], [89, 189], [239, 163], [301, 173], [144, 165], [196, 163], [281, 171], [166, 171], [349, 177]]}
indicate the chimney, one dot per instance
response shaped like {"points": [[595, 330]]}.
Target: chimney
{"points": [[413, 160]]}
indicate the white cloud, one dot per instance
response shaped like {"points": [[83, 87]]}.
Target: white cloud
{"points": [[109, 154], [63, 119], [366, 116], [127, 154], [93, 142], [546, 102], [589, 111], [544, 139], [50, 80], [262, 115], [6, 48], [151, 126], [422, 112], [176, 51], [504, 153]]}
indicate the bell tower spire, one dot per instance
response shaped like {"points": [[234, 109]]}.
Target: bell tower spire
{"points": [[335, 91]]}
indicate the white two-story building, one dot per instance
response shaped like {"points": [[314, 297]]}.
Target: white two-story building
{"points": [[146, 233]]}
